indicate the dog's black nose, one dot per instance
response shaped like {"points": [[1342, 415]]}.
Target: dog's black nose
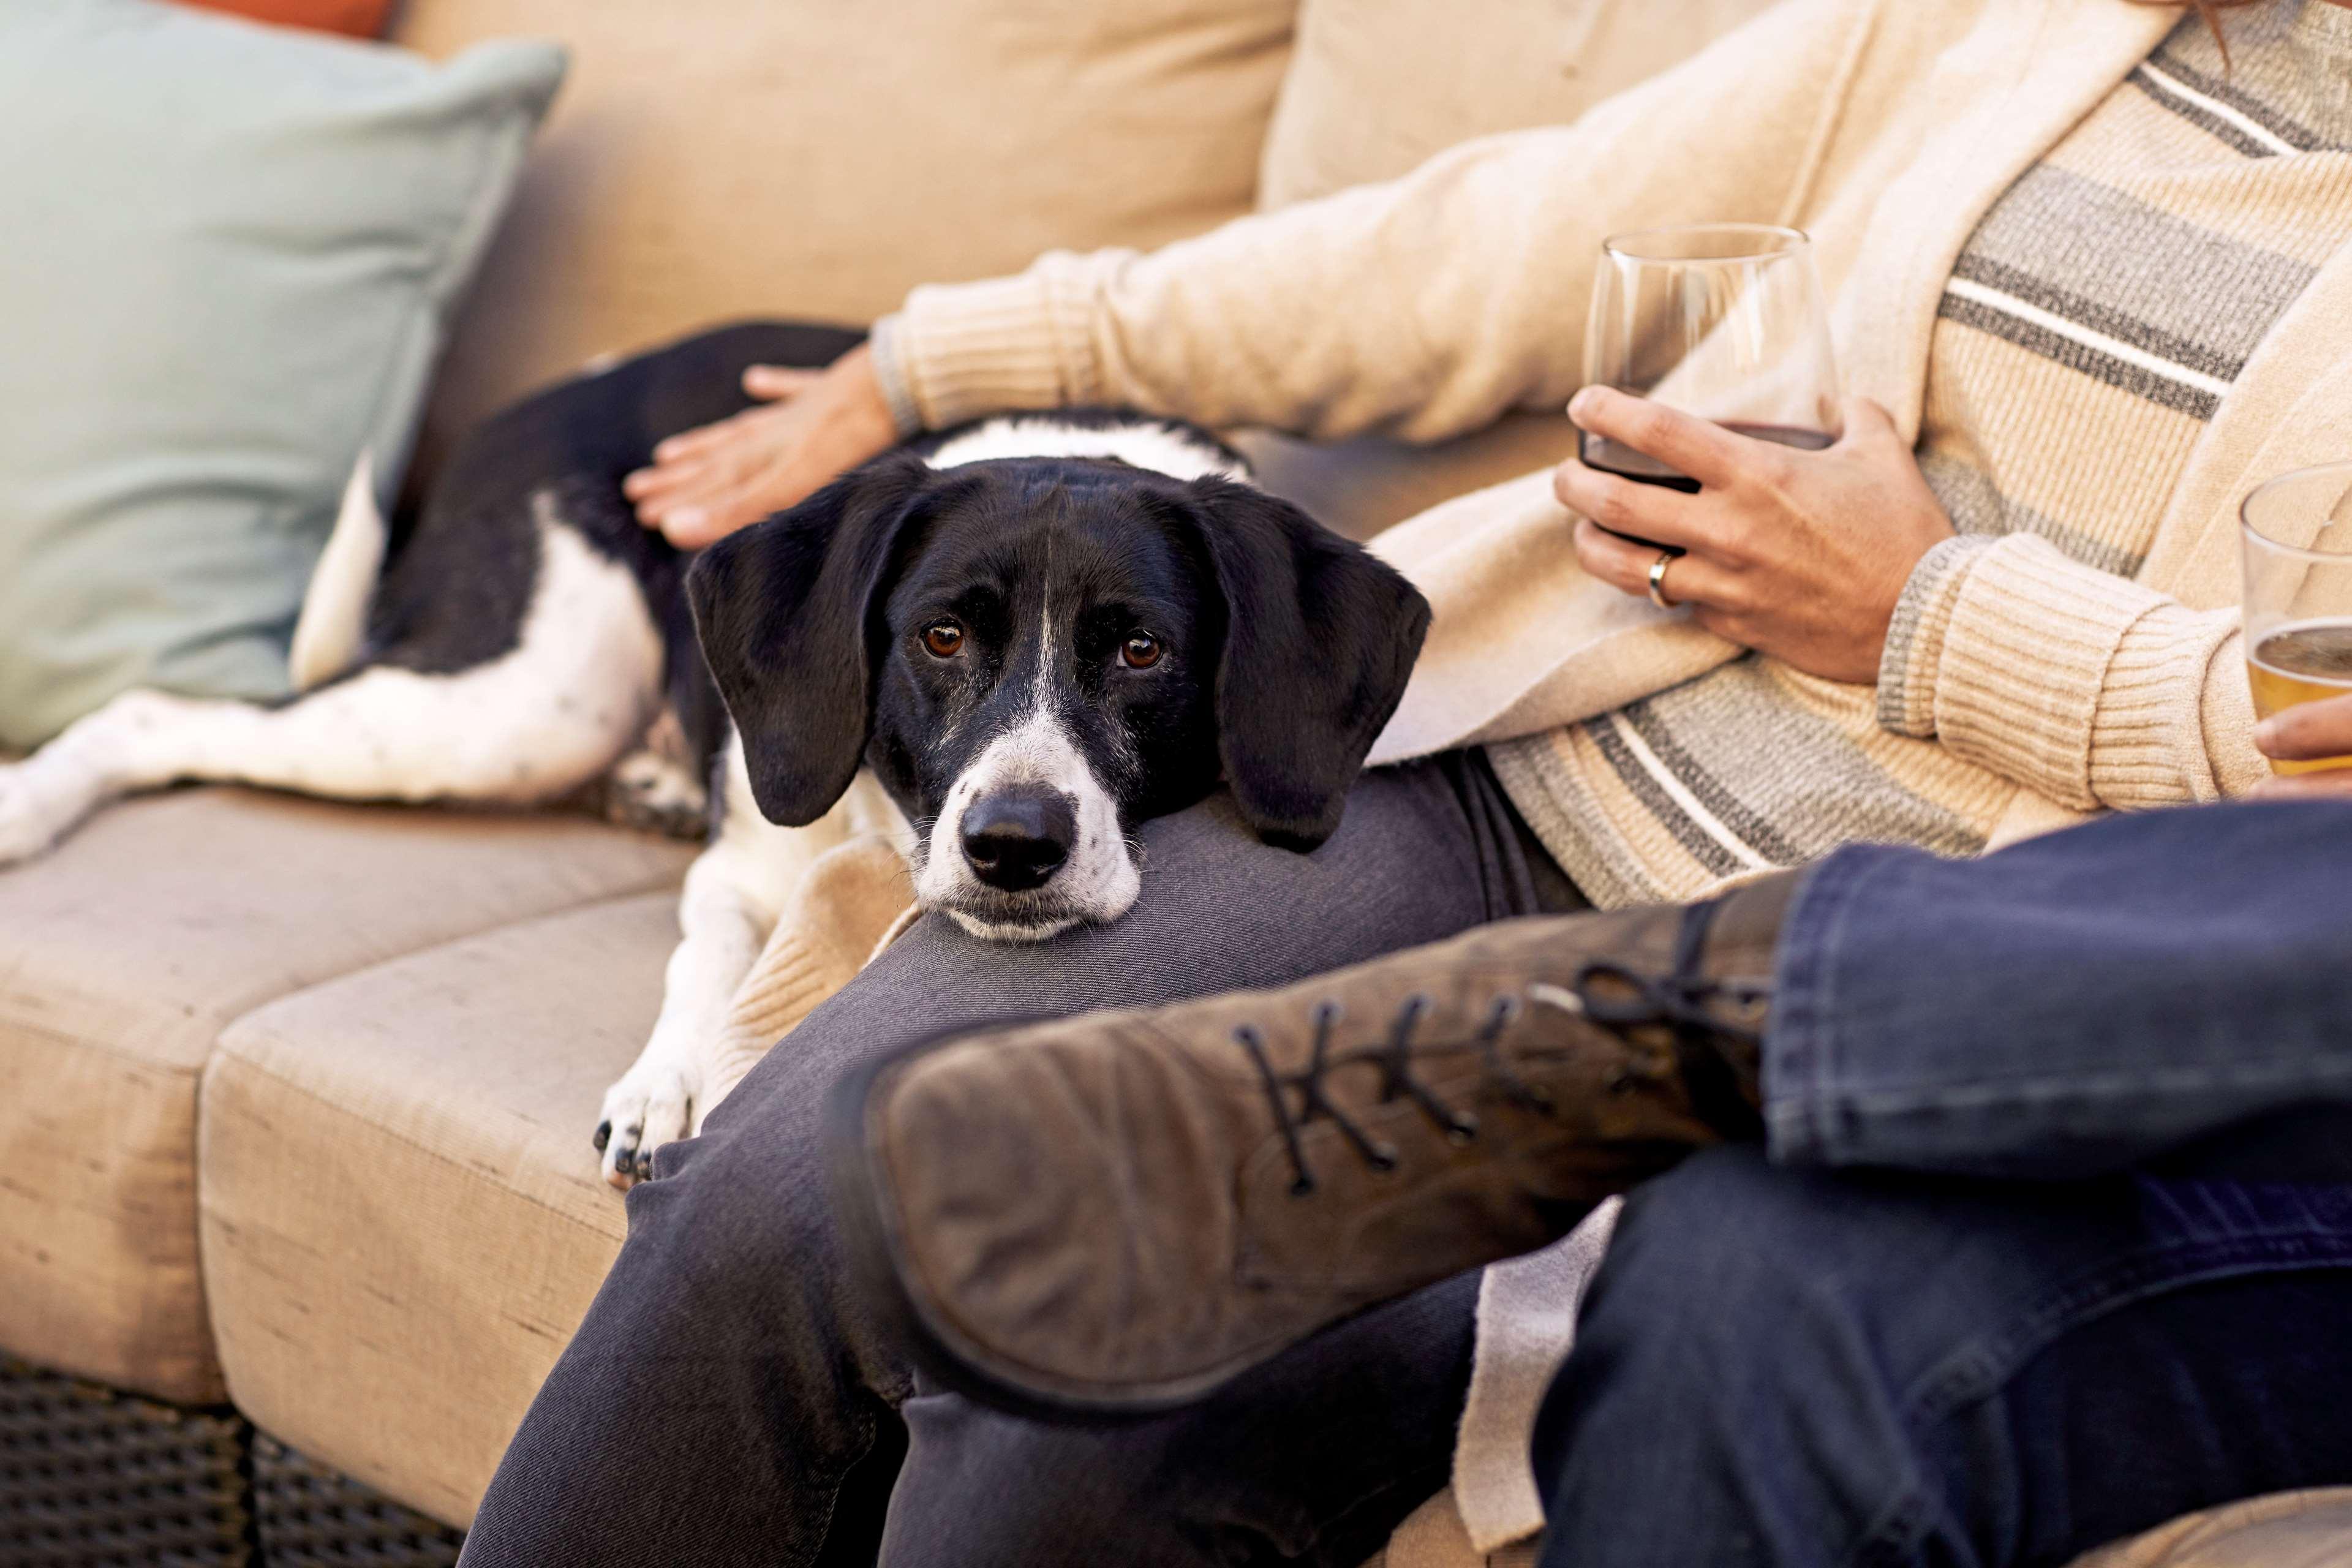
{"points": [[1017, 839]]}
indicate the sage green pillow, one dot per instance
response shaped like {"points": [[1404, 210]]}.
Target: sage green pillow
{"points": [[230, 255]]}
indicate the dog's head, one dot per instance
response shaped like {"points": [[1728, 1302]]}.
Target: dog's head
{"points": [[1034, 654]]}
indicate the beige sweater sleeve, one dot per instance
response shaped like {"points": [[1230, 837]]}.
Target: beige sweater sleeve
{"points": [[1427, 305], [2087, 688]]}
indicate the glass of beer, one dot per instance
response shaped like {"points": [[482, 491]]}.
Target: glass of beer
{"points": [[1724, 320], [2298, 555]]}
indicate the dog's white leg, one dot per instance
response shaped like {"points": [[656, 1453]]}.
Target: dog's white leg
{"points": [[723, 925], [733, 892], [548, 715]]}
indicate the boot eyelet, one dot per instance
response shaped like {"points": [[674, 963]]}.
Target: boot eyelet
{"points": [[1464, 1130], [1302, 1188]]}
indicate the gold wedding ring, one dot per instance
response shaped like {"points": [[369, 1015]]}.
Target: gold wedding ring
{"points": [[1658, 578]]}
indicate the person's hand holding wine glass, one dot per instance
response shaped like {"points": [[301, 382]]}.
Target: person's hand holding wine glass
{"points": [[1718, 469]]}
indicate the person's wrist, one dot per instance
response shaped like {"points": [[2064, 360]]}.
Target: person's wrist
{"points": [[861, 408], [879, 356]]}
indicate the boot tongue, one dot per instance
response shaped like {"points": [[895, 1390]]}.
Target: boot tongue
{"points": [[1745, 935], [1736, 941]]}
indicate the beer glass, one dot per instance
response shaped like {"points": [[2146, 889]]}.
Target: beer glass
{"points": [[1723, 320], [2298, 556]]}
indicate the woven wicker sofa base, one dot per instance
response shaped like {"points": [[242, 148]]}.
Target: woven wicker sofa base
{"points": [[91, 1478]]}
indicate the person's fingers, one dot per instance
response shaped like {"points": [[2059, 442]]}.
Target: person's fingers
{"points": [[1626, 566], [716, 434], [1624, 507], [1698, 447], [1869, 417], [2334, 783], [2307, 730], [705, 487], [688, 527], [668, 483], [771, 382], [693, 526]]}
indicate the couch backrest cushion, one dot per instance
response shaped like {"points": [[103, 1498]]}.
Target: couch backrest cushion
{"points": [[817, 158], [1377, 86]]}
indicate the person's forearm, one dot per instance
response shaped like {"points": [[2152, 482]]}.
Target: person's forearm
{"points": [[2089, 689], [1427, 305], [2081, 1003]]}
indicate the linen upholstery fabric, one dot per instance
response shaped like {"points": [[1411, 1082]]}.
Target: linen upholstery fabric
{"points": [[124, 953], [803, 158], [1377, 86], [231, 252], [402, 1217]]}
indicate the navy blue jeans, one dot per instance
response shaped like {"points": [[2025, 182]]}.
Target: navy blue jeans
{"points": [[2055, 1238]]}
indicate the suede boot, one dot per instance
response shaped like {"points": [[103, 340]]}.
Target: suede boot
{"points": [[1115, 1212]]}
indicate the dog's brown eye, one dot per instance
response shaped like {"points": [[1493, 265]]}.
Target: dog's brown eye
{"points": [[944, 638], [1140, 651]]}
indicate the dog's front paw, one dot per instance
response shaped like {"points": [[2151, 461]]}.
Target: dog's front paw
{"points": [[651, 1105]]}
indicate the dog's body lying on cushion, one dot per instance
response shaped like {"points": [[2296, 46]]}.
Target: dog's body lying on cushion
{"points": [[1034, 634]]}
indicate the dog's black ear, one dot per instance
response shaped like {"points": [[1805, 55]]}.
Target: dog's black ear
{"points": [[1319, 639], [788, 615]]}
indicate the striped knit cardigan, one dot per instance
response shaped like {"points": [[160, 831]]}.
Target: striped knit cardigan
{"points": [[1432, 304]]}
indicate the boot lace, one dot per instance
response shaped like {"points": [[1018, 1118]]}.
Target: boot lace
{"points": [[1394, 1058], [1611, 994]]}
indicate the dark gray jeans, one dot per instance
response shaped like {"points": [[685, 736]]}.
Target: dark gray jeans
{"points": [[726, 1401]]}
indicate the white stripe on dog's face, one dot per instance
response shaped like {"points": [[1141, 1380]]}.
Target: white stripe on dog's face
{"points": [[1038, 755]]}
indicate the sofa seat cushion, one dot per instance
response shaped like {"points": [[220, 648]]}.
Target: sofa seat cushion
{"points": [[402, 1218], [124, 953]]}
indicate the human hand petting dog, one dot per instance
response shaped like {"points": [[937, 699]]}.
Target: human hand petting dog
{"points": [[811, 426], [2305, 733], [1801, 555]]}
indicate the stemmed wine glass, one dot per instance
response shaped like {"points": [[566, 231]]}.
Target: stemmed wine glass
{"points": [[1723, 320]]}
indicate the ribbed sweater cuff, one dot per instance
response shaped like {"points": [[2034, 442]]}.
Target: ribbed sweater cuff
{"points": [[882, 348], [965, 350], [2021, 686], [1914, 656], [2153, 742]]}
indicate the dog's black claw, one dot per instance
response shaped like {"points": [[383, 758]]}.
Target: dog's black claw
{"points": [[604, 1135]]}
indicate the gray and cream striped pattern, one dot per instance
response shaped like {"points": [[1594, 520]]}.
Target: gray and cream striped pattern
{"points": [[2096, 319]]}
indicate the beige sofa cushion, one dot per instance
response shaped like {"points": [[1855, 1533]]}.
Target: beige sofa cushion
{"points": [[1377, 86], [816, 159], [1374, 87], [402, 1218], [124, 953]]}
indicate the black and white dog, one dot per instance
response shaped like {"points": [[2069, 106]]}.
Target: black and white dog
{"points": [[1032, 635]]}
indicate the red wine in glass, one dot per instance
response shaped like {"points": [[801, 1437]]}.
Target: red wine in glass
{"points": [[1722, 320], [1616, 457]]}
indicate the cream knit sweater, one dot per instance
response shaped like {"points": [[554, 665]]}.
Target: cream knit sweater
{"points": [[1429, 305]]}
